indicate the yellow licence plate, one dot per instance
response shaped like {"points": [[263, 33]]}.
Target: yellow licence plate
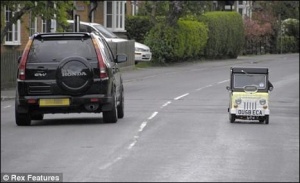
{"points": [[54, 102]]}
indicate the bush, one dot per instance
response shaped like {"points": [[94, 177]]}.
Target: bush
{"points": [[172, 44], [287, 44], [226, 34], [137, 27]]}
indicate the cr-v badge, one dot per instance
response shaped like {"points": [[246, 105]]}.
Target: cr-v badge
{"points": [[40, 74]]}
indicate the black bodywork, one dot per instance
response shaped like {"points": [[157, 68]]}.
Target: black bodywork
{"points": [[67, 66]]}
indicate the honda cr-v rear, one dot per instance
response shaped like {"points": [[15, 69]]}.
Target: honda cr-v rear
{"points": [[68, 73]]}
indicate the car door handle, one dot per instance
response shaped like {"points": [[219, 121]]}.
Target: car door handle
{"points": [[42, 68]]}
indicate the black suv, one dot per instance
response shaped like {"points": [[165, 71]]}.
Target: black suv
{"points": [[68, 73]]}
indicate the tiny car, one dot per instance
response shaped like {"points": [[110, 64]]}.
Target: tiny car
{"points": [[249, 94]]}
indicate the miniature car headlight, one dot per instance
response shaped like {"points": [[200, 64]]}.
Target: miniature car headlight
{"points": [[238, 101], [262, 101]]}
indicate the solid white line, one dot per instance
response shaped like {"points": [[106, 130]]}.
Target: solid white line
{"points": [[143, 126], [177, 98], [153, 115], [167, 103], [7, 106]]}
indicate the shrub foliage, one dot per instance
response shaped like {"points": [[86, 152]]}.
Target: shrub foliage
{"points": [[184, 41], [226, 34]]}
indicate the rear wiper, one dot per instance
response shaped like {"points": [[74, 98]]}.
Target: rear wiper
{"points": [[244, 72]]}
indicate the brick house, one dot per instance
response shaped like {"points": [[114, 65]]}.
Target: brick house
{"points": [[111, 14]]}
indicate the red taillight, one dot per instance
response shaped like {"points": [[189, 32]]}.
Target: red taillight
{"points": [[102, 66], [22, 65], [95, 100], [31, 101]]}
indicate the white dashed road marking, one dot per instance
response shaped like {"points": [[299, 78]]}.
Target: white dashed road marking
{"points": [[144, 124], [177, 98]]}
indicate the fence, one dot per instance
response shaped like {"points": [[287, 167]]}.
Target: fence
{"points": [[9, 65], [9, 61]]}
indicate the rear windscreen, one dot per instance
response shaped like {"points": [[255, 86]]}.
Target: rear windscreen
{"points": [[55, 50]]}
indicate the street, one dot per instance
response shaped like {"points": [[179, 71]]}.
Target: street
{"points": [[175, 129]]}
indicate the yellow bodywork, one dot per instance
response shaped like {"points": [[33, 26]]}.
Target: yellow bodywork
{"points": [[252, 99]]}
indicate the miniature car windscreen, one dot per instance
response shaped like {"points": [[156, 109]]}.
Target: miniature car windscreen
{"points": [[55, 50], [242, 80]]}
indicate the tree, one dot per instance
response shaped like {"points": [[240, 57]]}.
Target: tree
{"points": [[37, 8], [173, 10]]}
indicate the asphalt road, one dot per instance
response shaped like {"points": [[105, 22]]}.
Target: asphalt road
{"points": [[175, 129]]}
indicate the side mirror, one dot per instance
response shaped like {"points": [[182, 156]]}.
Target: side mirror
{"points": [[121, 58], [228, 88], [19, 59], [270, 88]]}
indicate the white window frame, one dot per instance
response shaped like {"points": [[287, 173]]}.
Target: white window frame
{"points": [[43, 25], [16, 31], [118, 16], [32, 25], [134, 7]]}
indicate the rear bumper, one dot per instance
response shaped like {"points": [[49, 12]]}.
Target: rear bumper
{"points": [[78, 104]]}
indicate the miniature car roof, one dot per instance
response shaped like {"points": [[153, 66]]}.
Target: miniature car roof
{"points": [[250, 70]]}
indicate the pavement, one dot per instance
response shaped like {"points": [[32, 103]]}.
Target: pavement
{"points": [[8, 93]]}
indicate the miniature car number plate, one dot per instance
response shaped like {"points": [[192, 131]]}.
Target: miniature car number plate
{"points": [[250, 113], [54, 102]]}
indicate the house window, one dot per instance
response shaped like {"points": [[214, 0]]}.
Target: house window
{"points": [[241, 11], [32, 24], [114, 14], [13, 36], [44, 26], [134, 7]]}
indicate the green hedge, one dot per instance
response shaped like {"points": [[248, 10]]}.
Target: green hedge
{"points": [[287, 44], [137, 27], [226, 34], [172, 44]]}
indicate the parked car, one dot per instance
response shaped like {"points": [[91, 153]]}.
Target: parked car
{"points": [[142, 52], [68, 73]]}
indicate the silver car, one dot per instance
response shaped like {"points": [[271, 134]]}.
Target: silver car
{"points": [[142, 52]]}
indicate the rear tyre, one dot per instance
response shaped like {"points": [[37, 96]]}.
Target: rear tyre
{"points": [[231, 118], [112, 115], [267, 119], [22, 119], [121, 106]]}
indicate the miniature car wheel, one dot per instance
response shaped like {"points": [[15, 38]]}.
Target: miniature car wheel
{"points": [[261, 119], [267, 119], [231, 118]]}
